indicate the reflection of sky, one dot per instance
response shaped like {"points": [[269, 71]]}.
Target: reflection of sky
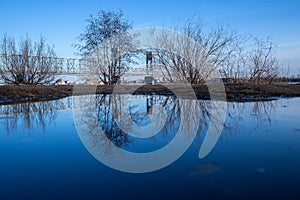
{"points": [[253, 158]]}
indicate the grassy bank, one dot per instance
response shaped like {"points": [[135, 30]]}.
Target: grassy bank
{"points": [[234, 92]]}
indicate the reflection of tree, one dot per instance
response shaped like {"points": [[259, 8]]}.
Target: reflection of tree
{"points": [[95, 123], [198, 115], [108, 108], [29, 115], [107, 122], [258, 113]]}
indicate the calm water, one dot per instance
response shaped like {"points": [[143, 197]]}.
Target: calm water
{"points": [[43, 156]]}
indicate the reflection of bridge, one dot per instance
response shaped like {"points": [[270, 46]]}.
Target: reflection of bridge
{"points": [[121, 101], [67, 104], [77, 66]]}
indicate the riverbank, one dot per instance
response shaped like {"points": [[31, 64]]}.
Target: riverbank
{"points": [[234, 92]]}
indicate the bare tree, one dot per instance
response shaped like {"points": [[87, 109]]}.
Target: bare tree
{"points": [[284, 73], [194, 56], [27, 63], [263, 64], [234, 68], [253, 61], [107, 45]]}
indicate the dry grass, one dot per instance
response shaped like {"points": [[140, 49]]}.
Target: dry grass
{"points": [[234, 92]]}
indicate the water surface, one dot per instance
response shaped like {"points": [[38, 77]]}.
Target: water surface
{"points": [[257, 155]]}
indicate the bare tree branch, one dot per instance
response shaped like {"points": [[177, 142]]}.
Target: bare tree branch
{"points": [[27, 63]]}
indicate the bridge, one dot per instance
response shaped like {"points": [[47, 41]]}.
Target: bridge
{"points": [[80, 67]]}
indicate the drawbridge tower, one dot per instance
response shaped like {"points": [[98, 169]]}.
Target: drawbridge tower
{"points": [[149, 78]]}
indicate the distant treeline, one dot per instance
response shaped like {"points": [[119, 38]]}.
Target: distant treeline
{"points": [[286, 79]]}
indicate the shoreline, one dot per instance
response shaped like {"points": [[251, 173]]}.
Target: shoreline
{"points": [[238, 92]]}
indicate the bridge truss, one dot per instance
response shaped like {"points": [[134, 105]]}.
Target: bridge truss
{"points": [[80, 67]]}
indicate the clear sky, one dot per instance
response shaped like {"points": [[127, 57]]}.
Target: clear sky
{"points": [[62, 21]]}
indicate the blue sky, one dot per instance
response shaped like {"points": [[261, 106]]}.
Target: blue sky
{"points": [[62, 21]]}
